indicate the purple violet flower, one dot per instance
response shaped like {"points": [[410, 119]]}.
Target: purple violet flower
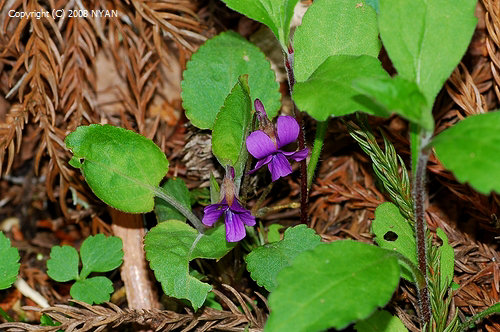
{"points": [[235, 216], [265, 145]]}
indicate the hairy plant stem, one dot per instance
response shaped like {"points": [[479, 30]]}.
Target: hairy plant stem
{"points": [[316, 151], [182, 209], [304, 194], [418, 194]]}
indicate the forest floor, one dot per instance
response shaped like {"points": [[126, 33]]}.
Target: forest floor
{"points": [[43, 202]]}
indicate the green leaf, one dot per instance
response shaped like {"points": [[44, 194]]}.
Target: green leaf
{"points": [[170, 246], [276, 14], [329, 91], [212, 302], [62, 265], [265, 262], [393, 232], [212, 71], [231, 127], [397, 95], [100, 254], [471, 150], [9, 262], [446, 260], [426, 51], [176, 188], [331, 286], [340, 27], [200, 196], [46, 320], [380, 321], [92, 290], [273, 234], [121, 167]]}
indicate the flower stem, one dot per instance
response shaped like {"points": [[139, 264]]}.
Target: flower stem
{"points": [[304, 194], [420, 224], [181, 208], [316, 151]]}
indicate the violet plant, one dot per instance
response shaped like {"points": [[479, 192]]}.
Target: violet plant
{"points": [[333, 70]]}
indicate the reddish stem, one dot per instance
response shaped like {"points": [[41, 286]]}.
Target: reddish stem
{"points": [[289, 60]]}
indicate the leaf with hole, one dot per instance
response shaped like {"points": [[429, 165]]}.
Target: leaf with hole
{"points": [[9, 262], [393, 232], [212, 72], [231, 127], [471, 150], [332, 285], [340, 27], [414, 48], [329, 91], [265, 262], [177, 188], [380, 321], [276, 14], [171, 245], [446, 260], [121, 167]]}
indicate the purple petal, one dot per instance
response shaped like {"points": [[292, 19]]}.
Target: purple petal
{"points": [[260, 145], [279, 167], [243, 213], [247, 218], [261, 163], [235, 230], [236, 207], [212, 213], [297, 155], [287, 130]]}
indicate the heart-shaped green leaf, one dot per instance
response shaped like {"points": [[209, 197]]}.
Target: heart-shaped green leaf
{"points": [[212, 72], [332, 285], [340, 27], [121, 167], [171, 245], [471, 150]]}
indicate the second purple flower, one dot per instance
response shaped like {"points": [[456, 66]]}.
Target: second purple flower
{"points": [[265, 145]]}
